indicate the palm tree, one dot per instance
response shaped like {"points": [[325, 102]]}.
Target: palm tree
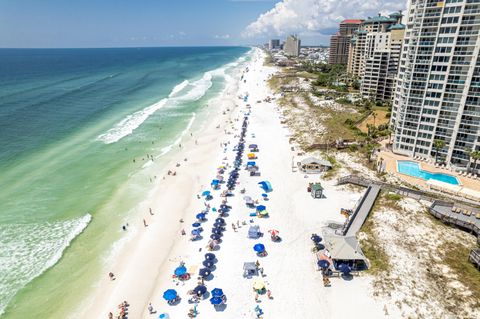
{"points": [[473, 156], [438, 145], [374, 117]]}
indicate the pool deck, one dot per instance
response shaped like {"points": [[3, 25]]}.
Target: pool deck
{"points": [[391, 167]]}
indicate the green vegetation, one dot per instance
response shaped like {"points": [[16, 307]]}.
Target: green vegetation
{"points": [[335, 167], [473, 156], [438, 145]]}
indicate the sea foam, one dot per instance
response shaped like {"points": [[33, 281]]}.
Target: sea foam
{"points": [[183, 92], [28, 250]]}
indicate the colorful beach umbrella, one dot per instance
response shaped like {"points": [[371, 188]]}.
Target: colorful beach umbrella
{"points": [[316, 239], [258, 285], [170, 294], [217, 292], [259, 248], [206, 193], [196, 225], [273, 232], [180, 271]]}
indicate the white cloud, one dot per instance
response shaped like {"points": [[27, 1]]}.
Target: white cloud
{"points": [[300, 16], [225, 36]]}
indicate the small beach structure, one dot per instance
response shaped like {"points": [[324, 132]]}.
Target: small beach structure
{"points": [[312, 165], [316, 190], [248, 201], [344, 250], [253, 147], [250, 269], [254, 232]]}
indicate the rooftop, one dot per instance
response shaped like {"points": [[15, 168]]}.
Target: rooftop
{"points": [[351, 21]]}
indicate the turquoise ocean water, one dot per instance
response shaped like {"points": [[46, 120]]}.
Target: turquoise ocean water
{"points": [[71, 123]]}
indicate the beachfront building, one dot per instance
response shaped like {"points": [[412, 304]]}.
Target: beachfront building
{"points": [[312, 165], [437, 94], [374, 52], [344, 250], [381, 63], [274, 44], [292, 46], [340, 42]]}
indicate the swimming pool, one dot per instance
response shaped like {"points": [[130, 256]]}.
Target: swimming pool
{"points": [[413, 169]]}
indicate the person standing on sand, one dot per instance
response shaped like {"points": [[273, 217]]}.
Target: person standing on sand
{"points": [[151, 211], [145, 223], [111, 275]]}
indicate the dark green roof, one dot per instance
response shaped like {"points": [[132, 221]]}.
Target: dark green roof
{"points": [[397, 26], [379, 19], [395, 14]]}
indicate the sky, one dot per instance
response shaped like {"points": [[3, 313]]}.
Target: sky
{"points": [[135, 23]]}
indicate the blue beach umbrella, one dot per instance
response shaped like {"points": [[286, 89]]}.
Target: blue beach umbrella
{"points": [[323, 264], [209, 256], [264, 195], [261, 208], [220, 220], [208, 263], [259, 248], [204, 272], [217, 231], [217, 292], [196, 225], [316, 239], [180, 271], [195, 232], [216, 300], [200, 290], [206, 193], [170, 294], [200, 216], [217, 225], [215, 236], [344, 268]]}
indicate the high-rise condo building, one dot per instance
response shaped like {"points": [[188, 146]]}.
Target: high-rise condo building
{"points": [[437, 95], [374, 51], [274, 44], [292, 46], [340, 42]]}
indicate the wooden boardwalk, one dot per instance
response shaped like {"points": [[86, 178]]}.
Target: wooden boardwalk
{"points": [[443, 210], [362, 210]]}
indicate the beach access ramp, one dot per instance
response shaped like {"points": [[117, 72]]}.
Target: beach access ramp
{"points": [[363, 208]]}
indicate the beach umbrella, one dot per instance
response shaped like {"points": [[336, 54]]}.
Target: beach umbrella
{"points": [[217, 231], [247, 198], [215, 236], [200, 216], [316, 239], [217, 225], [196, 232], [216, 301], [252, 146], [259, 248], [251, 163], [344, 268], [220, 220], [204, 272], [209, 256], [258, 285], [264, 195], [263, 213], [180, 271], [206, 193], [208, 263], [273, 232], [170, 294], [323, 263], [261, 208], [196, 225], [200, 290], [217, 292]]}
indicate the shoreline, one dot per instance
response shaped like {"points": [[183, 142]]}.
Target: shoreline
{"points": [[170, 226]]}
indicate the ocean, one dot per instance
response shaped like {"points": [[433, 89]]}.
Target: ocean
{"points": [[77, 129]]}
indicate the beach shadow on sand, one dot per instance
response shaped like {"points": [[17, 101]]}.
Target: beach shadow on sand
{"points": [[221, 308]]}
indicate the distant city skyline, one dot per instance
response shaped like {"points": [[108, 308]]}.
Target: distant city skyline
{"points": [[122, 23]]}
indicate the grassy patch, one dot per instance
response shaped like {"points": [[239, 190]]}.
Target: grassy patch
{"points": [[335, 167], [373, 249], [456, 257]]}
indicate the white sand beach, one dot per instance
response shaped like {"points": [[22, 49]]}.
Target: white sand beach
{"points": [[145, 265]]}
